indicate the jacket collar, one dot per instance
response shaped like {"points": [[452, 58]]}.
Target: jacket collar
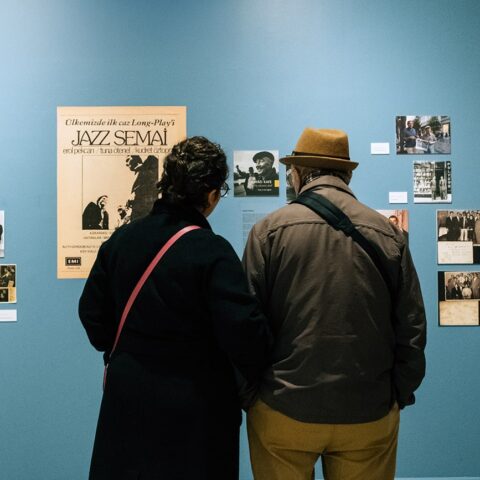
{"points": [[328, 181], [181, 212]]}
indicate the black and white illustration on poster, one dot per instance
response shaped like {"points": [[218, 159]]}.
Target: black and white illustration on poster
{"points": [[2, 233], [8, 283], [109, 206], [255, 173], [398, 218], [423, 134], [458, 235], [109, 162], [459, 298], [432, 182]]}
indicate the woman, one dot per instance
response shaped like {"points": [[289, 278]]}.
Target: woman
{"points": [[170, 408]]}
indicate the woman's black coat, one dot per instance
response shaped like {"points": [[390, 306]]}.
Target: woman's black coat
{"points": [[170, 409]]}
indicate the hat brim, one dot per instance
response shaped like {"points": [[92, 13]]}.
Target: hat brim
{"points": [[319, 162]]}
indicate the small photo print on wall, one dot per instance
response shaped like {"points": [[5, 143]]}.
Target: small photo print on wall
{"points": [[399, 218], [458, 298], [458, 234], [2, 233], [423, 134], [432, 182], [8, 283], [255, 173]]}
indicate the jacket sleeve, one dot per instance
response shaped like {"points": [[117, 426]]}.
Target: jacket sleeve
{"points": [[239, 325], [410, 333], [96, 308], [254, 264]]}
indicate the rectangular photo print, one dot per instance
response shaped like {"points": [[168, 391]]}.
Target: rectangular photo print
{"points": [[8, 284], [459, 298], [423, 134], [399, 218], [458, 236], [432, 182], [255, 173], [2, 233]]}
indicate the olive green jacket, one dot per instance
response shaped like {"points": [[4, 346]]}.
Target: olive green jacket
{"points": [[344, 350]]}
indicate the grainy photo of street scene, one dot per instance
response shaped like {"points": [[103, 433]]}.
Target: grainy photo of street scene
{"points": [[423, 134], [458, 298], [432, 182]]}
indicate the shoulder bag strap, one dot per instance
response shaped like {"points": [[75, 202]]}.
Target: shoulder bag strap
{"points": [[338, 220], [140, 284]]}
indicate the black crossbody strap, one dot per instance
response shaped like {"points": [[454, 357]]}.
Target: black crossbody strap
{"points": [[339, 221]]}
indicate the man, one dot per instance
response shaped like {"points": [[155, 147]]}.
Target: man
{"points": [[453, 227], [433, 187], [95, 217], [430, 138], [410, 137], [463, 222], [250, 179], [144, 188], [476, 286], [393, 219], [349, 349], [266, 182]]}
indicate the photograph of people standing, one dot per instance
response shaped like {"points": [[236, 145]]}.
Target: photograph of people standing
{"points": [[432, 182], [423, 134]]}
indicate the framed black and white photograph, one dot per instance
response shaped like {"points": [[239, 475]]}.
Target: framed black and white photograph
{"points": [[8, 283], [458, 236], [459, 298], [432, 182], [2, 233], [423, 134], [255, 173]]}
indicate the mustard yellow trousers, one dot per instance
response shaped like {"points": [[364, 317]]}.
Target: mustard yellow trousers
{"points": [[285, 449]]}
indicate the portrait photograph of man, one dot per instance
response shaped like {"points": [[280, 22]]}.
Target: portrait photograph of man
{"points": [[255, 173]]}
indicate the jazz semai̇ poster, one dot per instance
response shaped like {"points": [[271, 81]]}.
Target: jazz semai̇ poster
{"points": [[109, 161]]}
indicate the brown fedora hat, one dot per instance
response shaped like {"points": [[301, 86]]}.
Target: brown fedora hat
{"points": [[322, 148]]}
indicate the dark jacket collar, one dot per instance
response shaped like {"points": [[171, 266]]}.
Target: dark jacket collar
{"points": [[181, 212], [328, 181]]}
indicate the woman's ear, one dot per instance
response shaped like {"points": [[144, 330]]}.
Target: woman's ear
{"points": [[212, 200]]}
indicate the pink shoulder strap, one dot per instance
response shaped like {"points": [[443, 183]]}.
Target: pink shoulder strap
{"points": [[141, 282]]}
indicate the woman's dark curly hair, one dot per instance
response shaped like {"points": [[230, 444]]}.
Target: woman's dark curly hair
{"points": [[193, 168]]}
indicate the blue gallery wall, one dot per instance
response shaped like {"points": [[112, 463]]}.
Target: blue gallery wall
{"points": [[253, 74]]}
